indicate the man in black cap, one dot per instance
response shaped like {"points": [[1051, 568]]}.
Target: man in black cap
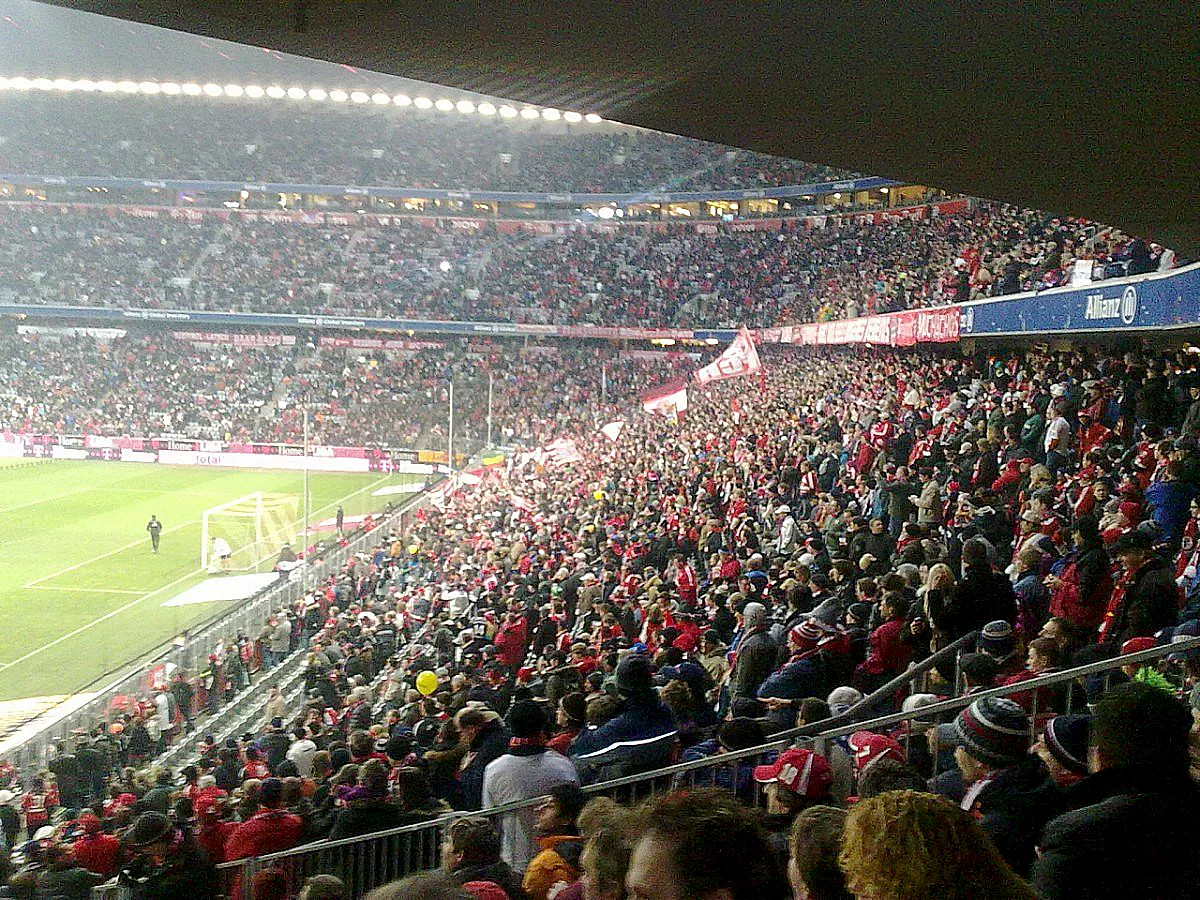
{"points": [[167, 864], [641, 737], [1146, 598]]}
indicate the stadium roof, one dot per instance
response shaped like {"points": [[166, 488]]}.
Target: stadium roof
{"points": [[1090, 111]]}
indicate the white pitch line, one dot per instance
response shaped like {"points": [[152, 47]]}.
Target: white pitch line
{"points": [[49, 499], [105, 555], [132, 603], [47, 587], [82, 628]]}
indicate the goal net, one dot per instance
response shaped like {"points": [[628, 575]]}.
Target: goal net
{"points": [[250, 531]]}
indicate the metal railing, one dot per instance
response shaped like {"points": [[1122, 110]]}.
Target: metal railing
{"points": [[33, 752], [367, 861]]}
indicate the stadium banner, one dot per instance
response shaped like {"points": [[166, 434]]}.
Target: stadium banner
{"points": [[236, 339], [357, 343], [261, 461]]}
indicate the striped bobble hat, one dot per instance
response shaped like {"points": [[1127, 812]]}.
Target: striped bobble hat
{"points": [[994, 730], [1066, 738]]}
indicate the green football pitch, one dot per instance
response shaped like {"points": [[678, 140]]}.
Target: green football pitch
{"points": [[81, 594]]}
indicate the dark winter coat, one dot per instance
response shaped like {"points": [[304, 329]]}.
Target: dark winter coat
{"points": [[1014, 807], [491, 743], [756, 654], [1131, 833]]}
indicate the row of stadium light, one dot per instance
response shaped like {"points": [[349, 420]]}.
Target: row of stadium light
{"points": [[274, 92]]}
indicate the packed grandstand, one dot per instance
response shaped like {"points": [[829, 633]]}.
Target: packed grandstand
{"points": [[669, 558]]}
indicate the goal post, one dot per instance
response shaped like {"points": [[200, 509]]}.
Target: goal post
{"points": [[251, 530]]}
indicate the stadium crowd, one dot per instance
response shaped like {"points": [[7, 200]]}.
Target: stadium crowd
{"points": [[772, 555], [353, 144], [792, 273], [151, 384]]}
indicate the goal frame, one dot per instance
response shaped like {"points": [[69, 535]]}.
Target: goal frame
{"points": [[228, 510]]}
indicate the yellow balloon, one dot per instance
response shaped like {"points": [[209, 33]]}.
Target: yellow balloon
{"points": [[597, 495], [427, 683]]}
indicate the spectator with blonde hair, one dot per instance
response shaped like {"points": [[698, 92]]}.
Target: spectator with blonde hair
{"points": [[907, 845]]}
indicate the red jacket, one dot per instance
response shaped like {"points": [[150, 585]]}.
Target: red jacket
{"points": [[212, 838], [510, 643], [888, 654], [267, 831], [99, 853]]}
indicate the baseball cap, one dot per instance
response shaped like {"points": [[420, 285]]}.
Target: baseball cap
{"points": [[801, 771], [867, 747]]}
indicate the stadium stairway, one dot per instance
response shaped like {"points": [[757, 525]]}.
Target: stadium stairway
{"points": [[243, 713]]}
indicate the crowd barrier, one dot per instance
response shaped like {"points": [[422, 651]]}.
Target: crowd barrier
{"points": [[367, 861]]}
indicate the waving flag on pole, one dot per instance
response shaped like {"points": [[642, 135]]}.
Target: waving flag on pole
{"points": [[612, 430], [669, 400], [562, 451], [739, 358]]}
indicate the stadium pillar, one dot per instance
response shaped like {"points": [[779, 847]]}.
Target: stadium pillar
{"points": [[489, 413], [450, 431]]}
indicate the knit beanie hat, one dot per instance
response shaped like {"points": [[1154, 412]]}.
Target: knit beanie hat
{"points": [[842, 698], [633, 675], [805, 635], [994, 730], [998, 640], [1066, 738]]}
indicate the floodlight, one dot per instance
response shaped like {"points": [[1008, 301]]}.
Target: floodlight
{"points": [[318, 94], [465, 107], [64, 84], [275, 92], [213, 90], [86, 85], [529, 113], [360, 97], [170, 88], [43, 84], [255, 91], [550, 114], [127, 87], [508, 112], [380, 99], [402, 100], [297, 93], [422, 103], [593, 119], [192, 90], [444, 105], [234, 90], [21, 83], [572, 117], [486, 109], [339, 96]]}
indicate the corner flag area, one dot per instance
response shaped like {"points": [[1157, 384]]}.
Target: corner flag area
{"points": [[81, 593]]}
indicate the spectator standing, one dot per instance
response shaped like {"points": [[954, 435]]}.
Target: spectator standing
{"points": [[166, 863], [529, 769]]}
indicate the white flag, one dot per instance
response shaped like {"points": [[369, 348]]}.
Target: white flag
{"points": [[739, 358], [669, 404], [562, 451], [612, 430]]}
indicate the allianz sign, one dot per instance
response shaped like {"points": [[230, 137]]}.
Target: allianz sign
{"points": [[1123, 307]]}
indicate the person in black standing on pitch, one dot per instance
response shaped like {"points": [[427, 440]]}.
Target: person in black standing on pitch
{"points": [[341, 519], [155, 528]]}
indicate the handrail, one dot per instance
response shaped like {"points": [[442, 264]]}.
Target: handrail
{"points": [[779, 741]]}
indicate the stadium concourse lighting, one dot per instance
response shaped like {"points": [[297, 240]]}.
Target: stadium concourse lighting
{"points": [[275, 92]]}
